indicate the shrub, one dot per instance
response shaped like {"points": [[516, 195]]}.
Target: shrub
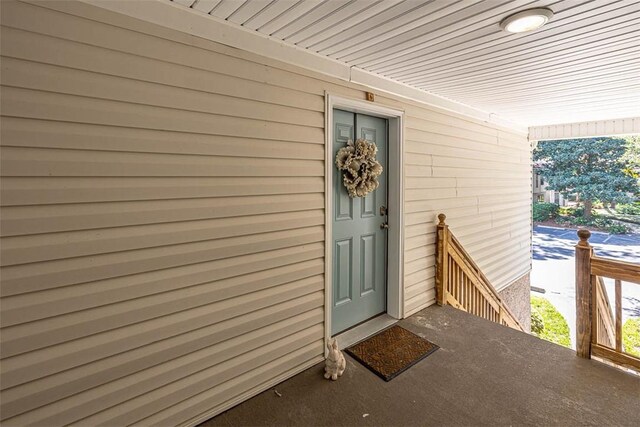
{"points": [[544, 211], [609, 225], [578, 211], [603, 223], [567, 215], [617, 229], [537, 324], [630, 209], [631, 336], [566, 211], [555, 328], [580, 221]]}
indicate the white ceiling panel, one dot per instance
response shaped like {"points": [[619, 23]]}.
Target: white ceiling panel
{"points": [[205, 6], [248, 10], [226, 8], [298, 10], [321, 12], [269, 13], [424, 49], [345, 14], [583, 65]]}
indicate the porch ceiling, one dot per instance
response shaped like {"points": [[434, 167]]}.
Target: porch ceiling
{"points": [[583, 65]]}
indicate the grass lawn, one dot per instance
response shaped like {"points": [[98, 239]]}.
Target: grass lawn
{"points": [[631, 336], [547, 322]]}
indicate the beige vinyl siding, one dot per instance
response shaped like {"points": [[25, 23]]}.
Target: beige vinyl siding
{"points": [[162, 226], [480, 177], [162, 216]]}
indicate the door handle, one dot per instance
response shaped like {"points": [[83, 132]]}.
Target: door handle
{"points": [[384, 225]]}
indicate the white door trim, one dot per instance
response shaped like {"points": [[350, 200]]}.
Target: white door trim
{"points": [[395, 271]]}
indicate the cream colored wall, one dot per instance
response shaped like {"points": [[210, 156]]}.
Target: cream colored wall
{"points": [[480, 177], [162, 216]]}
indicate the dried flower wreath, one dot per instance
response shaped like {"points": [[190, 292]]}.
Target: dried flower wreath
{"points": [[361, 169]]}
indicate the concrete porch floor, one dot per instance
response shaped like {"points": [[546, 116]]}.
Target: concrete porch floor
{"points": [[483, 374]]}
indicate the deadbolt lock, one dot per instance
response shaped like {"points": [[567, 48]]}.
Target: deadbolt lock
{"points": [[383, 210]]}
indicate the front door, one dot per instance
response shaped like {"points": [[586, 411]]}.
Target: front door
{"points": [[359, 236]]}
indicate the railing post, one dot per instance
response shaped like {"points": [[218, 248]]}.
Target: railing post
{"points": [[442, 260], [583, 295]]}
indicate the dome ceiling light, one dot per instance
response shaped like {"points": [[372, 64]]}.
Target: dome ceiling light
{"points": [[527, 20]]}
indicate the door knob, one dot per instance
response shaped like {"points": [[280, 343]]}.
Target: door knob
{"points": [[384, 225]]}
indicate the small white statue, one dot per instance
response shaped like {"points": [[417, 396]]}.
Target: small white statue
{"points": [[335, 363]]}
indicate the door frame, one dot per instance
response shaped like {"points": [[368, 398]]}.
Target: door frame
{"points": [[395, 195]]}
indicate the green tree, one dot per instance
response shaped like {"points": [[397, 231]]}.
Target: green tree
{"points": [[631, 157], [594, 168]]}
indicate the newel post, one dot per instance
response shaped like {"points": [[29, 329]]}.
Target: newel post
{"points": [[583, 294], [442, 260]]}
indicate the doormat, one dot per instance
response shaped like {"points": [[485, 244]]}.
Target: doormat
{"points": [[391, 352]]}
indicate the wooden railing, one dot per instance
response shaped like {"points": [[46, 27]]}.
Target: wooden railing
{"points": [[460, 283], [598, 328], [603, 315]]}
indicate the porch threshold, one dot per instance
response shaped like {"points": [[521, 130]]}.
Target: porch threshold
{"points": [[364, 330], [483, 374]]}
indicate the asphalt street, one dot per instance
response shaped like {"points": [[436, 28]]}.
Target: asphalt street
{"points": [[554, 268]]}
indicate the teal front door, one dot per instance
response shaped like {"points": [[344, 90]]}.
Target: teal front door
{"points": [[359, 273]]}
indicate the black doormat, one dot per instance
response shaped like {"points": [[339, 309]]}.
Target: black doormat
{"points": [[391, 352]]}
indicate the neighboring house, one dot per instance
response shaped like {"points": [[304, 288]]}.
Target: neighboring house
{"points": [[176, 236], [542, 194]]}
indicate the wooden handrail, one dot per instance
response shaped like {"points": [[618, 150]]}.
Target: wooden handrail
{"points": [[614, 269], [461, 283], [598, 329]]}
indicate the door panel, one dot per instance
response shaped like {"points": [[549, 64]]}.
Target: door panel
{"points": [[367, 264], [344, 258], [359, 244]]}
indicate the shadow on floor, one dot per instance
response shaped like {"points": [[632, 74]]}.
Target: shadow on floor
{"points": [[483, 374]]}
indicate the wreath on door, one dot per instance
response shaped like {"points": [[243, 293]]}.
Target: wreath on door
{"points": [[360, 167]]}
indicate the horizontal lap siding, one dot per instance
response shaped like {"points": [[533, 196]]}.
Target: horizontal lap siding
{"points": [[162, 216], [162, 224], [480, 177]]}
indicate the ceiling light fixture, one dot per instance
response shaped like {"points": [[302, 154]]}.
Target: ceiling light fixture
{"points": [[527, 20]]}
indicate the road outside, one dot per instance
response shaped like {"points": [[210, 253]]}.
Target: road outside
{"points": [[554, 269]]}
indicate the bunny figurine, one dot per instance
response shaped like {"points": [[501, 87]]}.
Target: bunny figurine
{"points": [[335, 363]]}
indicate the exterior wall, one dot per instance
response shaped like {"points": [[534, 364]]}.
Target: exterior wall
{"points": [[551, 196], [163, 224], [517, 298], [480, 177], [541, 194], [538, 190]]}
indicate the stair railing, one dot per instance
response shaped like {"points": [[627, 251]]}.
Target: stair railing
{"points": [[598, 328], [461, 284]]}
